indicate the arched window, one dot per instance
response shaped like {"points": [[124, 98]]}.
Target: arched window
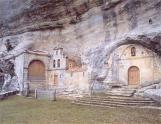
{"points": [[54, 63], [57, 52], [70, 65], [58, 63], [133, 51]]}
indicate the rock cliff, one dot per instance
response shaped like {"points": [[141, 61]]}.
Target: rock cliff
{"points": [[88, 30]]}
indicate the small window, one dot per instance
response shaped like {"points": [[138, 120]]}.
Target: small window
{"points": [[70, 65], [133, 51], [83, 74], [54, 64], [58, 63], [71, 74], [57, 52], [150, 21]]}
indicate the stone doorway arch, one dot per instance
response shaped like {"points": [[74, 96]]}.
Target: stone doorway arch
{"points": [[133, 75], [36, 70]]}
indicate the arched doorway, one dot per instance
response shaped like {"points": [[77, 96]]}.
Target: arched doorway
{"points": [[133, 75], [36, 71]]}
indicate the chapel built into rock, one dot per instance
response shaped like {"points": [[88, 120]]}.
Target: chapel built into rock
{"points": [[81, 47]]}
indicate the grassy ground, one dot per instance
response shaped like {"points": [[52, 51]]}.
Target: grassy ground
{"points": [[20, 110]]}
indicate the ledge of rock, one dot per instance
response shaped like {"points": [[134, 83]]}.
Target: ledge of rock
{"points": [[154, 94]]}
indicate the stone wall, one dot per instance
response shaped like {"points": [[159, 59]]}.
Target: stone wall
{"points": [[144, 60], [78, 81], [71, 81], [99, 29], [28, 58]]}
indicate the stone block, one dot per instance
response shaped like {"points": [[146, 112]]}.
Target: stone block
{"points": [[154, 94]]}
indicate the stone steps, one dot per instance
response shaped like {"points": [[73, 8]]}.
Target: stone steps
{"points": [[111, 104], [121, 92], [115, 101], [118, 102], [116, 97]]}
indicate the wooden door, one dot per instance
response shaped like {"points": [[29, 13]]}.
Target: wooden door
{"points": [[36, 70], [133, 75]]}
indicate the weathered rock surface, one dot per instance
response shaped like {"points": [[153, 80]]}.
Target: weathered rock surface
{"points": [[153, 94], [88, 30], [18, 16]]}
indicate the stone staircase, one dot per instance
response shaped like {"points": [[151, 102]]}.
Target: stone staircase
{"points": [[125, 91], [119, 97], [115, 101]]}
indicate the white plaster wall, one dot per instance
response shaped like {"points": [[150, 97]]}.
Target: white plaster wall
{"points": [[77, 81], [61, 78], [19, 69], [63, 60], [145, 60], [157, 68], [145, 66]]}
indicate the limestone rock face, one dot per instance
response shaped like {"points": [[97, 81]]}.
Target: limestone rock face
{"points": [[88, 30], [153, 94], [18, 16]]}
